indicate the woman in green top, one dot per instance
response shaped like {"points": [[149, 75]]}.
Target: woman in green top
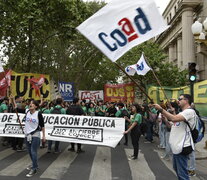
{"points": [[83, 106], [134, 127], [91, 109]]}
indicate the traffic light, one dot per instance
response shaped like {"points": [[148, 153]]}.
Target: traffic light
{"points": [[192, 72]]}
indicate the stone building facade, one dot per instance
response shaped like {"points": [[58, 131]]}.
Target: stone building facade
{"points": [[178, 41]]}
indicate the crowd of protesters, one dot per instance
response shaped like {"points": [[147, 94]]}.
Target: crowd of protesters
{"points": [[144, 119]]}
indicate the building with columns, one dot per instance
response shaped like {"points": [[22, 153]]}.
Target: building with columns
{"points": [[178, 41]]}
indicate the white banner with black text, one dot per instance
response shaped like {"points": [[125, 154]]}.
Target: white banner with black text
{"points": [[92, 130]]}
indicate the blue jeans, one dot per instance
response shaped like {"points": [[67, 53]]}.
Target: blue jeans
{"points": [[57, 143], [192, 161], [162, 129], [32, 150], [180, 165], [149, 135], [168, 151]]}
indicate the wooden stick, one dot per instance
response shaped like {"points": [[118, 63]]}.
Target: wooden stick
{"points": [[158, 81], [133, 80]]}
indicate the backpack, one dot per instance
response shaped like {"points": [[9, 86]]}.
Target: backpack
{"points": [[199, 129], [56, 110]]}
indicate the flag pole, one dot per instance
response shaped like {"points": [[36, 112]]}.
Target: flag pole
{"points": [[17, 116], [133, 81], [158, 81]]}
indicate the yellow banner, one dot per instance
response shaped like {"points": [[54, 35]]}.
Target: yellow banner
{"points": [[200, 94], [22, 87]]}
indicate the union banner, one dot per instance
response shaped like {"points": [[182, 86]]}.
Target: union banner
{"points": [[119, 92], [22, 87]]}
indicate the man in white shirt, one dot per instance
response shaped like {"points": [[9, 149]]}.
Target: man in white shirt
{"points": [[181, 141]]}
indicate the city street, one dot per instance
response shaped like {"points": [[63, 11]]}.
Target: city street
{"points": [[101, 163]]}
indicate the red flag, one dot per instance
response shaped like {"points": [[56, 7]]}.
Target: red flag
{"points": [[37, 84], [5, 82]]}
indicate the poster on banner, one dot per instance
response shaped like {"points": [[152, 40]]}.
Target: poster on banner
{"points": [[90, 95], [93, 130], [66, 89], [121, 25], [22, 87], [119, 92]]}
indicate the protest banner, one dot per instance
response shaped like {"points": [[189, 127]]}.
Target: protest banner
{"points": [[90, 95], [92, 130], [123, 24], [66, 90], [22, 87], [119, 92], [200, 94]]}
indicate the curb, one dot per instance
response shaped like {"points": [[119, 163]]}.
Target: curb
{"points": [[201, 158]]}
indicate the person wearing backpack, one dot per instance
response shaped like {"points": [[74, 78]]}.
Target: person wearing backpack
{"points": [[58, 109], [122, 112], [181, 140]]}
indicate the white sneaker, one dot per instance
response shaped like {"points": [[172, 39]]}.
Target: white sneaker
{"points": [[29, 167]]}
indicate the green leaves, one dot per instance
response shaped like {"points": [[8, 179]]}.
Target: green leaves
{"points": [[40, 37]]}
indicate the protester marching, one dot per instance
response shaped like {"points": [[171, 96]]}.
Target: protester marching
{"points": [[127, 101]]}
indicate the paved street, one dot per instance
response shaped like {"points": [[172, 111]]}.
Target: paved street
{"points": [[100, 163]]}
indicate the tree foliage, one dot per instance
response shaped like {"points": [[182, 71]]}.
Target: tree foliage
{"points": [[39, 36]]}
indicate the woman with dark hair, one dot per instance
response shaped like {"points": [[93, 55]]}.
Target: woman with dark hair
{"points": [[91, 109], [34, 123], [134, 127]]}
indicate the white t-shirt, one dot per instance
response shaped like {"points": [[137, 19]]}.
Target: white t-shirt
{"points": [[31, 122], [180, 135]]}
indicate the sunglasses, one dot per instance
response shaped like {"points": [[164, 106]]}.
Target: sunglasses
{"points": [[179, 99]]}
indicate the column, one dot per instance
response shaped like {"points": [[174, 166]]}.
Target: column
{"points": [[179, 53], [171, 53], [188, 42]]}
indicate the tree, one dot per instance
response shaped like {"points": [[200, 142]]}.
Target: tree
{"points": [[39, 36]]}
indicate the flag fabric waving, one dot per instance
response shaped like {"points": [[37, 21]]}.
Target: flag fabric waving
{"points": [[141, 68], [5, 82], [1, 68], [123, 24]]}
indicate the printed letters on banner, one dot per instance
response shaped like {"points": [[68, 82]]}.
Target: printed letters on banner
{"points": [[123, 24], [77, 129]]}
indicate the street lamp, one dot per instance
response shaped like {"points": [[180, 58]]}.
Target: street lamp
{"points": [[199, 31]]}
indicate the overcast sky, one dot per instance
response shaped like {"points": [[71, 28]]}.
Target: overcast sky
{"points": [[161, 4]]}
